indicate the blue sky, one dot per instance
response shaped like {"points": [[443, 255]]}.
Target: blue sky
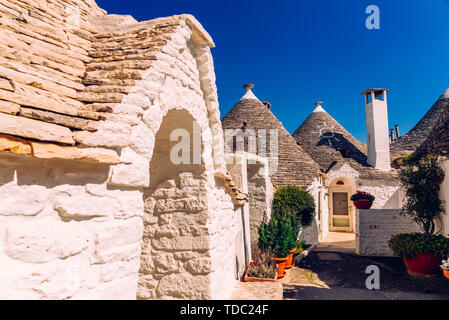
{"points": [[298, 52]]}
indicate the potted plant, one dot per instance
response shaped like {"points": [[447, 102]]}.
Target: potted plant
{"points": [[421, 176], [278, 237], [445, 267], [293, 243], [297, 205], [362, 200], [282, 244], [262, 269], [421, 254]]}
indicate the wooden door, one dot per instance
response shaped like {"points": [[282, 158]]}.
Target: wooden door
{"points": [[340, 216]]}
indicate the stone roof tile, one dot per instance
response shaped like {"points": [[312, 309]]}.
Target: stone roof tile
{"points": [[327, 142], [421, 131], [65, 65], [295, 166]]}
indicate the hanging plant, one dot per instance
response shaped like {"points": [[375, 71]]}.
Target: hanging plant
{"points": [[361, 195]]}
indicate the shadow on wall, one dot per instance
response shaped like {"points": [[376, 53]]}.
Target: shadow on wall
{"points": [[310, 234], [342, 276], [394, 202], [257, 202], [174, 260], [50, 173], [345, 147]]}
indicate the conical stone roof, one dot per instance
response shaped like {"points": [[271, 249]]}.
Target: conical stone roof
{"points": [[421, 131], [294, 165], [327, 142], [438, 139]]}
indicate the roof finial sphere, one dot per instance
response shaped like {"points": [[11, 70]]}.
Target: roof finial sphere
{"points": [[248, 86]]}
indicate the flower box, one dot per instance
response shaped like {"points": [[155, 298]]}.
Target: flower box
{"points": [[255, 279]]}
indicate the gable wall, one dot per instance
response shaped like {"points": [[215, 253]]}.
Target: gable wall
{"points": [[74, 230]]}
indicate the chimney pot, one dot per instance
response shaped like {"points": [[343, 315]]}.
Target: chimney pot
{"points": [[379, 135], [396, 127]]}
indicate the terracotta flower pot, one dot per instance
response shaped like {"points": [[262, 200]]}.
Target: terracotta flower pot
{"points": [[289, 263], [446, 273], [423, 265], [363, 204], [254, 279], [281, 266]]}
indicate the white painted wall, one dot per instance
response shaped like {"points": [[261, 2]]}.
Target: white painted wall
{"points": [[74, 230], [444, 195], [388, 194], [377, 133], [311, 234], [376, 226]]}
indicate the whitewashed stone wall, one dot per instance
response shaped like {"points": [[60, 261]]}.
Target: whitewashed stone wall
{"points": [[227, 244], [65, 234], [260, 196], [387, 193], [311, 234], [338, 171], [375, 227], [324, 224], [444, 195], [72, 230]]}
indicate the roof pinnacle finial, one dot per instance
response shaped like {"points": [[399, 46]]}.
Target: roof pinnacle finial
{"points": [[248, 87], [319, 107], [249, 94]]}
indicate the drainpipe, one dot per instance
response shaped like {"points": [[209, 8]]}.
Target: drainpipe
{"points": [[244, 236]]}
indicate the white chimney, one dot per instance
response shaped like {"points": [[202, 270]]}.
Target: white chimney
{"points": [[377, 128]]}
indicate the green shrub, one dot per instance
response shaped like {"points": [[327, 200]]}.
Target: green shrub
{"points": [[267, 233], [296, 201], [408, 245], [421, 177], [277, 236]]}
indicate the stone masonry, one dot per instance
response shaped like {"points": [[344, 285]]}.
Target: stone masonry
{"points": [[375, 227], [88, 197]]}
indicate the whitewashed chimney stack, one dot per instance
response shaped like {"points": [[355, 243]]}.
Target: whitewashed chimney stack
{"points": [[377, 128]]}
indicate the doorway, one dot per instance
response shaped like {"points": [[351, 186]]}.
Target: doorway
{"points": [[340, 218], [341, 211]]}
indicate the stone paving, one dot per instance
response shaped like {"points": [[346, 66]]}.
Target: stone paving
{"points": [[258, 291], [338, 242], [342, 276]]}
